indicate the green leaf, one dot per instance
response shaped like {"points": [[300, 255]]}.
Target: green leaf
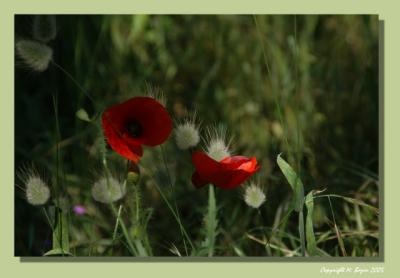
{"points": [[238, 251], [60, 234], [58, 252], [141, 250], [301, 233], [311, 243], [294, 181]]}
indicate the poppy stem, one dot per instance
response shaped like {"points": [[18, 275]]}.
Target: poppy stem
{"points": [[211, 221]]}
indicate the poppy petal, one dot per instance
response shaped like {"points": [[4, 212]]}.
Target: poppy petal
{"points": [[131, 151], [152, 119], [197, 180], [205, 165], [235, 178], [227, 174]]}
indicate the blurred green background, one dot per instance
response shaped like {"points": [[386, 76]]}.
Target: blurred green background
{"points": [[323, 76]]}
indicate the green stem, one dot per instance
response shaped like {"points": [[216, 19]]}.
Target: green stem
{"points": [[116, 214], [273, 89], [301, 232], [60, 228], [211, 224], [125, 232], [173, 196], [268, 243], [137, 206], [74, 81], [48, 219], [117, 223], [61, 231], [175, 216]]}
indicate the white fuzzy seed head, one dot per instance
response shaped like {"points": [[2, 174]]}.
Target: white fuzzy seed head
{"points": [[156, 93], [37, 191], [108, 190], [36, 55], [216, 148], [254, 196], [187, 135], [44, 28]]}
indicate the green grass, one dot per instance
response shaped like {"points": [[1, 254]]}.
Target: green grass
{"points": [[302, 86]]}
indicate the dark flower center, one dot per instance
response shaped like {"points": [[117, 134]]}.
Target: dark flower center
{"points": [[134, 129]]}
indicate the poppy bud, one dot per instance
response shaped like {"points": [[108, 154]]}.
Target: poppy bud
{"points": [[133, 174], [82, 115]]}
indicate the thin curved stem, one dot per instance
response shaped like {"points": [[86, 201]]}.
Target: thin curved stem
{"points": [[173, 195], [74, 81]]}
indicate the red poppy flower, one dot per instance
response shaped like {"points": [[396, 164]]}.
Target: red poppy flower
{"points": [[136, 122], [227, 174]]}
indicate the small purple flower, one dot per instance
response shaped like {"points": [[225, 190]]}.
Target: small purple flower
{"points": [[79, 210]]}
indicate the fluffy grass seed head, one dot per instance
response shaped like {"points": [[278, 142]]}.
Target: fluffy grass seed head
{"points": [[254, 196], [251, 108], [37, 191], [44, 28], [157, 93], [108, 190], [217, 148], [187, 133], [35, 54]]}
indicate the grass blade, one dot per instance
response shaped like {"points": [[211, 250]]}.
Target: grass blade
{"points": [[352, 201], [301, 233], [311, 243], [338, 234], [60, 235], [117, 224], [140, 248], [294, 181]]}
